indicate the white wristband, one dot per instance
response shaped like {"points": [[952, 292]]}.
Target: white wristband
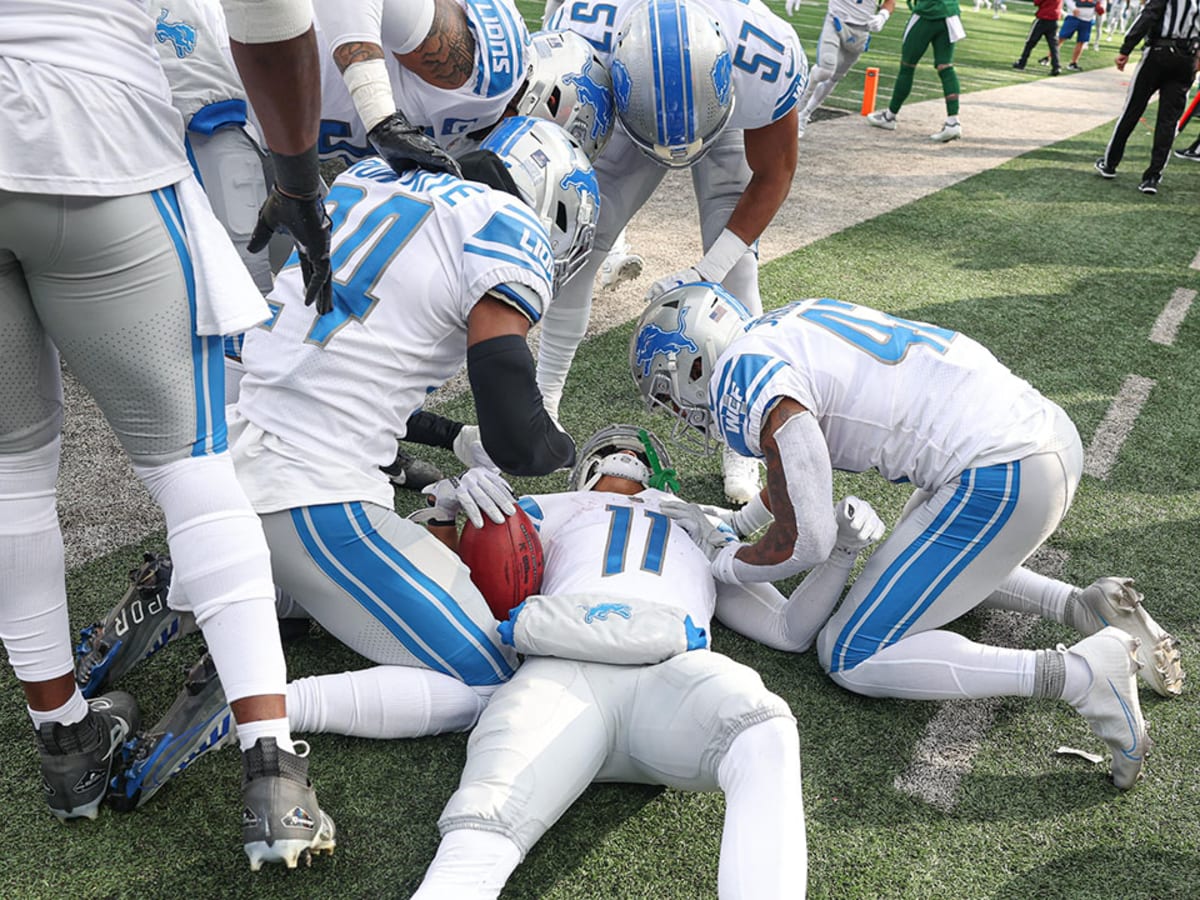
{"points": [[722, 564], [886, 15], [751, 517], [722, 256], [370, 90], [267, 21]]}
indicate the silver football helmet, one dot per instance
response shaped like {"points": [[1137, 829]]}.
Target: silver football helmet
{"points": [[673, 352], [556, 180], [673, 80], [568, 84], [608, 452]]}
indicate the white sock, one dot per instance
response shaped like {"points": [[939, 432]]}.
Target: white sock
{"points": [[470, 865], [951, 120], [763, 849], [248, 733], [1027, 591], [942, 665], [384, 702], [74, 710]]}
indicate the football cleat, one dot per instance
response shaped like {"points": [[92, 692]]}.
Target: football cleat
{"points": [[78, 759], [1074, 67], [410, 473], [618, 267], [1110, 703], [135, 629], [198, 722], [741, 477], [948, 133], [882, 119], [1192, 153], [281, 821], [1150, 184], [1104, 169], [1113, 601]]}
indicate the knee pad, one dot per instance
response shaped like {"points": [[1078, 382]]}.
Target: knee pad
{"points": [[216, 540]]}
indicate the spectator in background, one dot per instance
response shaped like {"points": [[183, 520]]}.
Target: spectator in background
{"points": [[1081, 17], [1172, 32], [933, 22], [1045, 23]]}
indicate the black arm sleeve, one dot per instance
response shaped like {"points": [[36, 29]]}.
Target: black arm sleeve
{"points": [[1151, 15], [431, 429], [515, 428]]}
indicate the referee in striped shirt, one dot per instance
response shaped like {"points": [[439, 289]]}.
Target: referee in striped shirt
{"points": [[1172, 32]]}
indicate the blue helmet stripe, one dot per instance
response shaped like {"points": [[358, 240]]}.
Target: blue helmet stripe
{"points": [[668, 41], [507, 133], [688, 100]]}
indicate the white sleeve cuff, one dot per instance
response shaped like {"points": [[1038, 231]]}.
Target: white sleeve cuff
{"points": [[267, 21]]}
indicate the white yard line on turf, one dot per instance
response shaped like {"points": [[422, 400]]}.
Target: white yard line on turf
{"points": [[1166, 326], [1118, 422]]}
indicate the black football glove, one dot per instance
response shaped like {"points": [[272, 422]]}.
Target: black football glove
{"points": [[296, 206], [404, 146]]}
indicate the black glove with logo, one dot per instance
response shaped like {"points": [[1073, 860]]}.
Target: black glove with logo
{"points": [[404, 146]]}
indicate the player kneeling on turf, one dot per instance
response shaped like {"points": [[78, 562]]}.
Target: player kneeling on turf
{"points": [[822, 384], [631, 693]]}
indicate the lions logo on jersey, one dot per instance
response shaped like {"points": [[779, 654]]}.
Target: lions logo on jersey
{"points": [[601, 611], [181, 35], [652, 341], [593, 95]]}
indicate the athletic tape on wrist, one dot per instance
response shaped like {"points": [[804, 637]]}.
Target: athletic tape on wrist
{"points": [[370, 90], [722, 256]]}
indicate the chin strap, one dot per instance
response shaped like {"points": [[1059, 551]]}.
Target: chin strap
{"points": [[660, 479]]}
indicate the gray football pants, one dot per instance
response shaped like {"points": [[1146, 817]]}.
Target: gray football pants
{"points": [[106, 282], [627, 179]]}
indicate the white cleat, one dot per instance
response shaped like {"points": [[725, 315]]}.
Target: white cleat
{"points": [[948, 133], [881, 119], [1113, 601], [801, 125], [619, 266], [1110, 703], [741, 477]]}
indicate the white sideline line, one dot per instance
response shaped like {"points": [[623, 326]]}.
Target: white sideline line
{"points": [[1106, 444], [946, 752], [1166, 326]]}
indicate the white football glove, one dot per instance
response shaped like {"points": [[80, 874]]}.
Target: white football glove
{"points": [[752, 517], [791, 6], [709, 536], [469, 449], [857, 525], [477, 493], [876, 22], [685, 276]]}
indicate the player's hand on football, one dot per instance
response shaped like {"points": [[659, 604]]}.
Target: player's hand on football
{"points": [[404, 146], [857, 524], [791, 6], [478, 493], [660, 287], [710, 535], [876, 22], [469, 449], [306, 220]]}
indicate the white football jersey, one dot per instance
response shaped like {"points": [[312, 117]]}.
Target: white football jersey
{"points": [[856, 12], [327, 396], [501, 63], [769, 66], [621, 546], [912, 400], [193, 46], [86, 109]]}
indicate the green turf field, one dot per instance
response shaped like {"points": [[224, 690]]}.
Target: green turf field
{"points": [[1063, 276]]}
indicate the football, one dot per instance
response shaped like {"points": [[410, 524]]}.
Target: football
{"points": [[505, 560]]}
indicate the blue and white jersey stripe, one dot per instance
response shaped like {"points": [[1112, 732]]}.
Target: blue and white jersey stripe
{"points": [[208, 357], [502, 46], [973, 518], [420, 613], [736, 393]]}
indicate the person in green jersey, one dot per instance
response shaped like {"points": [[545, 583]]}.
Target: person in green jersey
{"points": [[933, 22]]}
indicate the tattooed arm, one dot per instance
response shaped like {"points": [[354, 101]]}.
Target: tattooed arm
{"points": [[800, 494], [446, 57]]}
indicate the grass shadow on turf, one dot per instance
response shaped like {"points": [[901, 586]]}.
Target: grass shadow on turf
{"points": [[1091, 873]]}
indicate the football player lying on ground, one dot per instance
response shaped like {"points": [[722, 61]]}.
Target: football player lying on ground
{"points": [[432, 270], [820, 385], [617, 661], [726, 111]]}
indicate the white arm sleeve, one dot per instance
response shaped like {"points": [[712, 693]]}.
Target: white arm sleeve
{"points": [[267, 21], [398, 26], [760, 612], [809, 475]]}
